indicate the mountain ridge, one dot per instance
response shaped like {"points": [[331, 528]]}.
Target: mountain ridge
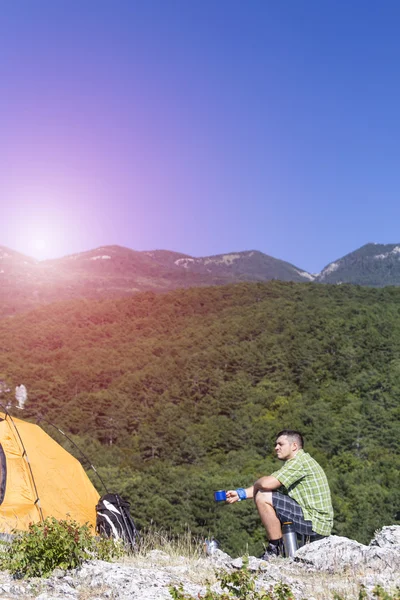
{"points": [[115, 271]]}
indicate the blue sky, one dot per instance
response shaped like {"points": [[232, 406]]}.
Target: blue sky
{"points": [[201, 127]]}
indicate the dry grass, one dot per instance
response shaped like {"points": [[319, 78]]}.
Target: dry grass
{"points": [[184, 544], [183, 553]]}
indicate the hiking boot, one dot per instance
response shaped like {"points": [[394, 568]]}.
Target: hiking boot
{"points": [[272, 551]]}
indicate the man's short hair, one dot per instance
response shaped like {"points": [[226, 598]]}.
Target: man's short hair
{"points": [[294, 436]]}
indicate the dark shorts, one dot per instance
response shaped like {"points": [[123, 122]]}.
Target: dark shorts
{"points": [[287, 509]]}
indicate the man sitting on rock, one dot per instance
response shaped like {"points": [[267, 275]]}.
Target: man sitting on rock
{"points": [[306, 503]]}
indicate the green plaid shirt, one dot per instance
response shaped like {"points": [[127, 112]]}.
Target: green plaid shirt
{"points": [[306, 482]]}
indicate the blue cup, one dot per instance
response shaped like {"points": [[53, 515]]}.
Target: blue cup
{"points": [[220, 496]]}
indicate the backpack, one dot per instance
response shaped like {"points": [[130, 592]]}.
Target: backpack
{"points": [[114, 520]]}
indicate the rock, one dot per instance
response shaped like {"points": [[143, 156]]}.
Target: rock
{"points": [[336, 554], [149, 577], [219, 558], [58, 573], [387, 537]]}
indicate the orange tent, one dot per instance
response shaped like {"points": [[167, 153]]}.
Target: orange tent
{"points": [[39, 479]]}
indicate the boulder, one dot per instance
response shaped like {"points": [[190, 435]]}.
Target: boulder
{"points": [[387, 537], [336, 554]]}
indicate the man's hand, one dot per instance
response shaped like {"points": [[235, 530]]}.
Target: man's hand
{"points": [[232, 496]]}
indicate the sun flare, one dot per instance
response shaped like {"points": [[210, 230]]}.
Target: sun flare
{"points": [[49, 224], [39, 244]]}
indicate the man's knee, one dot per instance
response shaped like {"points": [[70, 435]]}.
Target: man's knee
{"points": [[263, 498]]}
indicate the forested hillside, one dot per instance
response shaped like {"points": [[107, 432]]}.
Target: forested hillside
{"points": [[173, 396]]}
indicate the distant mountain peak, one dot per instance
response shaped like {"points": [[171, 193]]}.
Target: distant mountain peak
{"points": [[373, 264]]}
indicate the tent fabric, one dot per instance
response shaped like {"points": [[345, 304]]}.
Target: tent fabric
{"points": [[59, 480]]}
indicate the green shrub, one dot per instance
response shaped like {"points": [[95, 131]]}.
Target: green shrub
{"points": [[64, 544], [378, 592]]}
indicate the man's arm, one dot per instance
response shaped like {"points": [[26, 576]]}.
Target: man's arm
{"points": [[264, 484]]}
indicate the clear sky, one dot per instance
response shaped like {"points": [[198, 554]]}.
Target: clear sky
{"points": [[200, 126]]}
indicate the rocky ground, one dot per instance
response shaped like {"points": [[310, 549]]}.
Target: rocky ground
{"points": [[318, 571]]}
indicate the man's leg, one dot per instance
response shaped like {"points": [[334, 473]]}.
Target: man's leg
{"points": [[268, 516]]}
